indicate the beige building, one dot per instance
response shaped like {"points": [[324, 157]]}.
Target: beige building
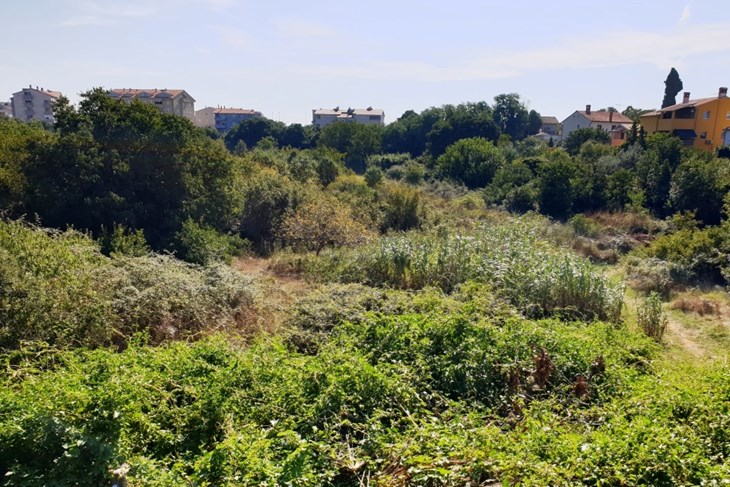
{"points": [[223, 119], [367, 116], [173, 102], [31, 104]]}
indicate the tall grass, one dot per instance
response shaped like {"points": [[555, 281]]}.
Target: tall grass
{"points": [[651, 317], [515, 258]]}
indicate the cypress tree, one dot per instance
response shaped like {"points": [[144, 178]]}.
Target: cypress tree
{"points": [[673, 86]]}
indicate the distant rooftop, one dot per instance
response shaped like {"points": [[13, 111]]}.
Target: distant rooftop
{"points": [[549, 120], [350, 111], [606, 117], [146, 93], [239, 111], [53, 94]]}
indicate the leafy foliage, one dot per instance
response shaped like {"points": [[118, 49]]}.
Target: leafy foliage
{"points": [[471, 161], [58, 288], [322, 222], [651, 317], [537, 279]]}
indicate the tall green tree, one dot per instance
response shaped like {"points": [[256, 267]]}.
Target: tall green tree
{"points": [[250, 132], [511, 116], [471, 161], [129, 164], [673, 85], [556, 188], [355, 140]]}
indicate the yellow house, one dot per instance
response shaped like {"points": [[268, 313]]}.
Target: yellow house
{"points": [[703, 123]]}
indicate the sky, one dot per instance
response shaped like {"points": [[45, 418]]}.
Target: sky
{"points": [[286, 57]]}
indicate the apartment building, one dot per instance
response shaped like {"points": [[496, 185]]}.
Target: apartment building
{"points": [[31, 104], [223, 119], [173, 102], [367, 116], [703, 123], [6, 109]]}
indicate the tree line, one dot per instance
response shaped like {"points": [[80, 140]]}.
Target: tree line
{"points": [[127, 173]]}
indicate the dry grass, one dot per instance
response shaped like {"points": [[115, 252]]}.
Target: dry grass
{"points": [[696, 304], [591, 250], [623, 222]]}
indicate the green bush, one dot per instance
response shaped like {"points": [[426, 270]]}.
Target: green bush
{"points": [[401, 207], [584, 226], [123, 241], [57, 287], [200, 244], [698, 255], [416, 399]]}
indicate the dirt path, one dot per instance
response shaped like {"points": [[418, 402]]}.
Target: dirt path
{"points": [[686, 339], [279, 289]]}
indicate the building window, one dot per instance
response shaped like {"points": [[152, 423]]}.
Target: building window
{"points": [[727, 115], [599, 126], [706, 115], [703, 135], [374, 117], [666, 115]]}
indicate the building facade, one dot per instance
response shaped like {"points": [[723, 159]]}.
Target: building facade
{"points": [[6, 109], [223, 119], [703, 123], [366, 116], [550, 125], [602, 120], [173, 102], [31, 104]]}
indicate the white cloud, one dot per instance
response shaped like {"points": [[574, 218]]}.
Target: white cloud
{"points": [[108, 12], [90, 12], [235, 38], [303, 29], [686, 14], [662, 49]]}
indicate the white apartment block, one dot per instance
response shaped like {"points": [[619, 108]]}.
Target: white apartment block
{"points": [[367, 116], [173, 102], [31, 104]]}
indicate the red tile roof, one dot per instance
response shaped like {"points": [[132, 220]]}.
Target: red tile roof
{"points": [[604, 117]]}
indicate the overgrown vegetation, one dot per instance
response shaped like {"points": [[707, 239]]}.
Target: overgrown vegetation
{"points": [[524, 268], [408, 330], [58, 288]]}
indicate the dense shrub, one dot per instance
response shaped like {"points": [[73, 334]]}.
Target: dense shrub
{"points": [[59, 288], [402, 208], [409, 399], [472, 162], [697, 255], [268, 198], [204, 245], [535, 277]]}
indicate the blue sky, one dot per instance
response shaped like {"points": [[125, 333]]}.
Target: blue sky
{"points": [[285, 58]]}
